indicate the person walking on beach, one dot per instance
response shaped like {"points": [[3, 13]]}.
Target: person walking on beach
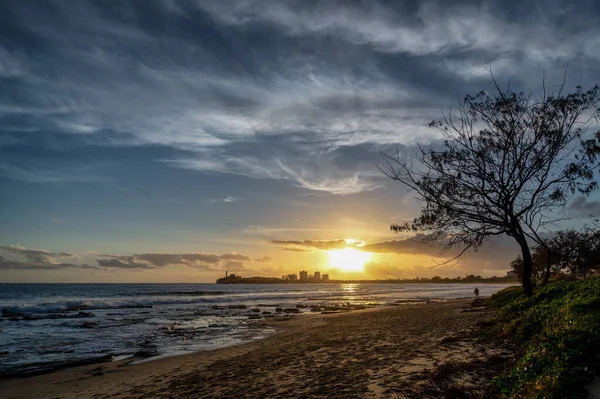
{"points": [[476, 293]]}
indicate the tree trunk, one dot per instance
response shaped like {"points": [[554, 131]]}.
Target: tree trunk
{"points": [[548, 267], [527, 266]]}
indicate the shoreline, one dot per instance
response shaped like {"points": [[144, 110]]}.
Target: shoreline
{"points": [[380, 343]]}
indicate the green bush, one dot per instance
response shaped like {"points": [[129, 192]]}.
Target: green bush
{"points": [[556, 333]]}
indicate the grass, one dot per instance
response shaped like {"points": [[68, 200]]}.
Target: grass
{"points": [[556, 336]]}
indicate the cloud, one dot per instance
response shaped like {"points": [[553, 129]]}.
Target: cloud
{"points": [[316, 244], [331, 76], [234, 257], [204, 261], [42, 175], [224, 200], [118, 263], [39, 256], [264, 259], [234, 265], [583, 208], [20, 258], [432, 27], [411, 245]]}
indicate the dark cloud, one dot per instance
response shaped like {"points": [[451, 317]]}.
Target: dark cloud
{"points": [[205, 261], [118, 263], [268, 89], [412, 245], [583, 208], [35, 256], [19, 258]]}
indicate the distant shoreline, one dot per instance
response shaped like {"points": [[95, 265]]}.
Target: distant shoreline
{"points": [[274, 280]]}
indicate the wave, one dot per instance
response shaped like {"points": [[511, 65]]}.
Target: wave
{"points": [[181, 293]]}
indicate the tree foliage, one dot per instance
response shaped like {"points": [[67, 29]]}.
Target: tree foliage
{"points": [[506, 163]]}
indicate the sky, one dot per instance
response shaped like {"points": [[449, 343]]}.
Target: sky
{"points": [[169, 141]]}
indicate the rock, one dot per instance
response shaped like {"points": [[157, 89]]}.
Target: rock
{"points": [[291, 310], [265, 312], [278, 310], [255, 310], [301, 306], [146, 353], [237, 306], [4, 353], [13, 319], [253, 317]]}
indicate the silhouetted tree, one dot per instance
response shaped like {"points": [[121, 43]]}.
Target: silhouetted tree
{"points": [[577, 251], [541, 264], [506, 162]]}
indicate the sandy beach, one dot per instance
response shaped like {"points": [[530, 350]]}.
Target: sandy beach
{"points": [[427, 350]]}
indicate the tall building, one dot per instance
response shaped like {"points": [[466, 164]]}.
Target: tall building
{"points": [[325, 277], [303, 276], [317, 277]]}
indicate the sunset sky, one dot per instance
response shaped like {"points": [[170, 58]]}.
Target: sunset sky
{"points": [[169, 141]]}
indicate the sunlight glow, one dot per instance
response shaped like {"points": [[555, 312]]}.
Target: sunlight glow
{"points": [[348, 259]]}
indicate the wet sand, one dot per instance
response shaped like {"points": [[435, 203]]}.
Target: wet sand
{"points": [[409, 351]]}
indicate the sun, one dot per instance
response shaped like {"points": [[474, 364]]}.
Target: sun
{"points": [[348, 259]]}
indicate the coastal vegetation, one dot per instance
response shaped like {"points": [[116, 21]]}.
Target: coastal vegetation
{"points": [[576, 252], [555, 335]]}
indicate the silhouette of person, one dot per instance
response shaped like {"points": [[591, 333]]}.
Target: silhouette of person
{"points": [[476, 293]]}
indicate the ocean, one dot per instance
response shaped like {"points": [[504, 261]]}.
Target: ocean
{"points": [[48, 326]]}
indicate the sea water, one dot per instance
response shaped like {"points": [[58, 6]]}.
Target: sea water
{"points": [[43, 326]]}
